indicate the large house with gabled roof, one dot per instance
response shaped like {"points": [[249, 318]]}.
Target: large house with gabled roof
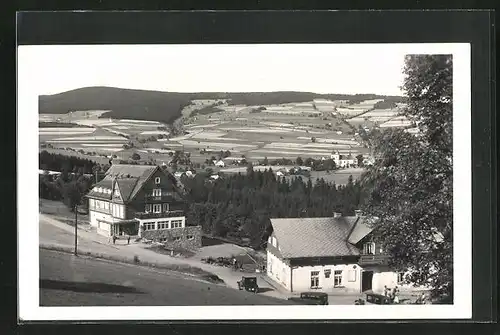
{"points": [[331, 254], [144, 201]]}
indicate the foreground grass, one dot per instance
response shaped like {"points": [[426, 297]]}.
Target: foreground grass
{"points": [[179, 268]]}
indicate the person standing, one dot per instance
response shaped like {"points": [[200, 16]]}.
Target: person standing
{"points": [[395, 295], [114, 239], [128, 239], [386, 291]]}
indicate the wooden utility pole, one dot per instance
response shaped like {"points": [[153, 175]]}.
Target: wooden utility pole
{"points": [[76, 229]]}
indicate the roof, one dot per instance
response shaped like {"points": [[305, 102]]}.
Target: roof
{"points": [[126, 187], [360, 230], [130, 179], [140, 173], [314, 237], [104, 185]]}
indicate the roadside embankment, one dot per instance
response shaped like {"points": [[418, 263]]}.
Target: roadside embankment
{"points": [[180, 268]]}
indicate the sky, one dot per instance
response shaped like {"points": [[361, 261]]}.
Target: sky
{"points": [[318, 68]]}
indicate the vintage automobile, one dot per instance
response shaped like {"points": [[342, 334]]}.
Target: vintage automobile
{"points": [[378, 299], [311, 298], [248, 284]]}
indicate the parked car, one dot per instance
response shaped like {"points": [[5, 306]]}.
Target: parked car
{"points": [[248, 284], [378, 299], [311, 298]]}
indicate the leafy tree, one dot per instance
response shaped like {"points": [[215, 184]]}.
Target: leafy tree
{"points": [[313, 139], [266, 161], [72, 193], [409, 187], [299, 161], [136, 156]]}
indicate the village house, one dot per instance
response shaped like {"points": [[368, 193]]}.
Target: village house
{"points": [[333, 254], [219, 163], [144, 201]]}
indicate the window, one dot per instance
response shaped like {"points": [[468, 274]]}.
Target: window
{"points": [[190, 237], [166, 207], [401, 277], [176, 238], [147, 208], [116, 192], [149, 226], [156, 208], [328, 272], [369, 248], [157, 192], [163, 225], [274, 241], [269, 240], [351, 275], [176, 224], [157, 180], [91, 203], [337, 278], [314, 279]]}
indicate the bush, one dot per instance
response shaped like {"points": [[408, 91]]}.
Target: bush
{"points": [[136, 259]]}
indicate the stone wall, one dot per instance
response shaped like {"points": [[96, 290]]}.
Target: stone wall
{"points": [[174, 238]]}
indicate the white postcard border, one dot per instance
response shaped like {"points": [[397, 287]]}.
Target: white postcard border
{"points": [[28, 227]]}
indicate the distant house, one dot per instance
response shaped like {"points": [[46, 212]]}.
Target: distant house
{"points": [[141, 200], [219, 163], [332, 254]]}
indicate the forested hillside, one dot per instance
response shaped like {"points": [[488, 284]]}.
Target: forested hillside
{"points": [[166, 106]]}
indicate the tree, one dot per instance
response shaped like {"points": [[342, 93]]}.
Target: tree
{"points": [[313, 139], [299, 161], [266, 161], [409, 187], [136, 156], [359, 159], [72, 193]]}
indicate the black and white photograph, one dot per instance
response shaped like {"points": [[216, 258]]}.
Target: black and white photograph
{"points": [[248, 179]]}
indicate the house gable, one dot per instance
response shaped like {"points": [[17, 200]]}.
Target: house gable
{"points": [[170, 192]]}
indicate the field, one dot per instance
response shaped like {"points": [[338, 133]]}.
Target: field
{"points": [[272, 131], [383, 118]]}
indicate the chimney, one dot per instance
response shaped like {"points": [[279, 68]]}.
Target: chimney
{"points": [[358, 212], [336, 215]]}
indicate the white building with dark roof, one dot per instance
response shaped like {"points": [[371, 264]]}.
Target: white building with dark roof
{"points": [[331, 254]]}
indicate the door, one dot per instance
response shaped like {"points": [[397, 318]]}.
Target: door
{"points": [[366, 280]]}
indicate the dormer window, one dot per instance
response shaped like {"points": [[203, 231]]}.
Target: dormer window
{"points": [[369, 248], [157, 180]]}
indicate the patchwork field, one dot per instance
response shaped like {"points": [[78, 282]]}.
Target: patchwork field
{"points": [[307, 129]]}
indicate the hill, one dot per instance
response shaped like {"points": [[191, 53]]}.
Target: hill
{"points": [[167, 106]]}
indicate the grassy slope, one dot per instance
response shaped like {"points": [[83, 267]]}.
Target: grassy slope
{"points": [[163, 106]]}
